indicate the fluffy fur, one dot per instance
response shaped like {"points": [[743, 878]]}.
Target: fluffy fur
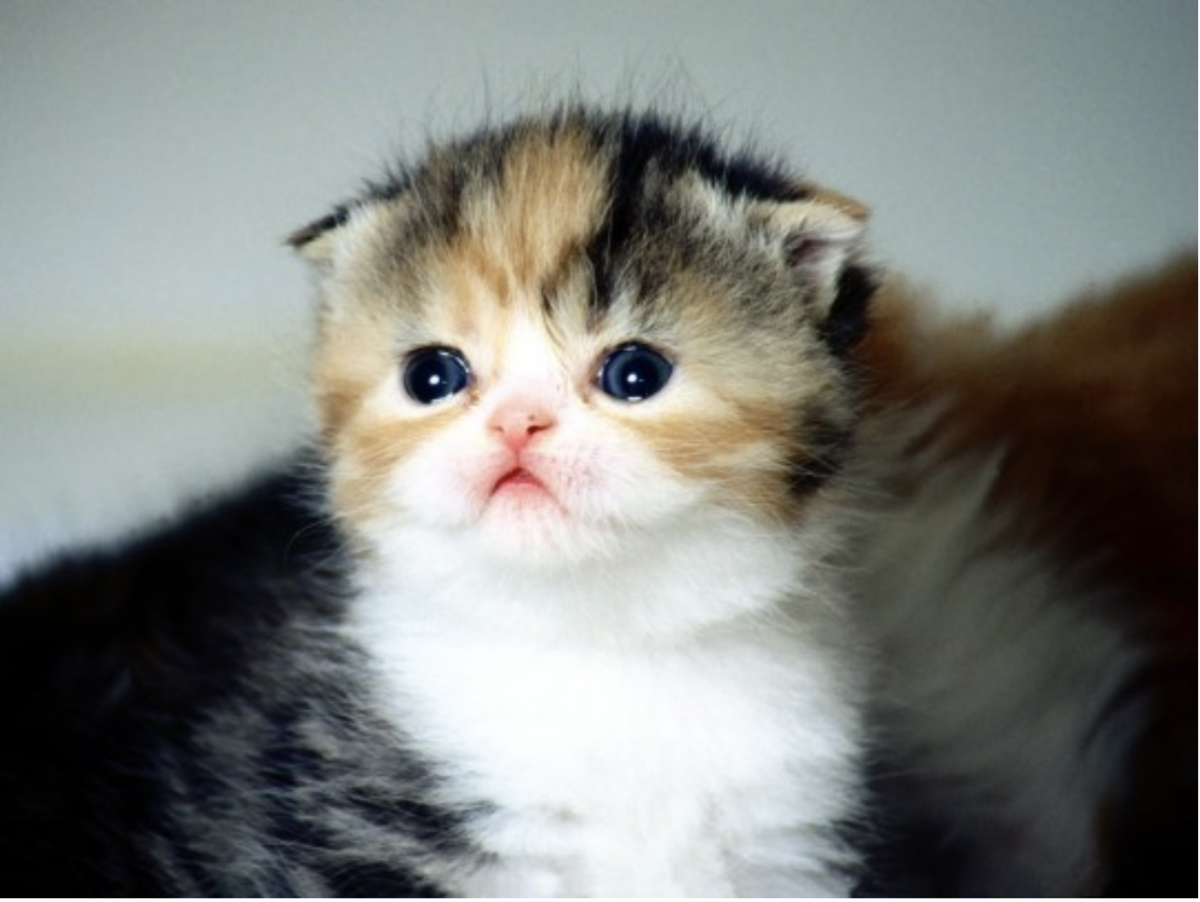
{"points": [[635, 661], [1037, 697], [527, 636]]}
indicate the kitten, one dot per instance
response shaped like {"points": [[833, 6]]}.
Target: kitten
{"points": [[583, 380], [622, 564], [549, 611]]}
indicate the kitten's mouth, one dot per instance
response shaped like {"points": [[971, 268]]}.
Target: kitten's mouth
{"points": [[518, 479]]}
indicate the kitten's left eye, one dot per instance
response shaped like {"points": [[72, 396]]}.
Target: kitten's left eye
{"points": [[633, 373], [435, 374]]}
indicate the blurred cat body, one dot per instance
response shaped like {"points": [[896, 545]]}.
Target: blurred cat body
{"points": [[1036, 688]]}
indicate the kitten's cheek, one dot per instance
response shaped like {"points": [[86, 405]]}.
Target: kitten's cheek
{"points": [[428, 490]]}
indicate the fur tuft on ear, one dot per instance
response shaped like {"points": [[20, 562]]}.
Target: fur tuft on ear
{"points": [[348, 231], [821, 240], [818, 235], [315, 240]]}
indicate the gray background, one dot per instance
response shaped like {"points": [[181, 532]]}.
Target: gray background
{"points": [[152, 329]]}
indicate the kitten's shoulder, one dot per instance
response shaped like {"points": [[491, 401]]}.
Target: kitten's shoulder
{"points": [[205, 584], [152, 693]]}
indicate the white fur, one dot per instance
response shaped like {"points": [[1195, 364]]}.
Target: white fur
{"points": [[996, 664], [706, 761]]}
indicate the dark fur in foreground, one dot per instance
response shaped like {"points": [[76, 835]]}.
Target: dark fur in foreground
{"points": [[182, 719]]}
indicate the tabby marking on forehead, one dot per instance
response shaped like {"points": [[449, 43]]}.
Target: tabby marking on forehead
{"points": [[520, 232]]}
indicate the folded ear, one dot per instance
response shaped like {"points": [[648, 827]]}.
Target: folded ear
{"points": [[818, 236], [821, 239], [351, 233], [317, 240]]}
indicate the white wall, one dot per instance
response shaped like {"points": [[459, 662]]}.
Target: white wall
{"points": [[152, 155]]}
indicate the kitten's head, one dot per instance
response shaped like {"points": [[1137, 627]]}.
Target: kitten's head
{"points": [[554, 340]]}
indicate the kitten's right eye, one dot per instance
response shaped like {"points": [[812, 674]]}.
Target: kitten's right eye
{"points": [[633, 373], [435, 374]]}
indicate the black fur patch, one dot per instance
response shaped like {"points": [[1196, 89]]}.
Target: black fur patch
{"points": [[826, 444], [314, 230], [649, 147], [162, 694], [847, 321]]}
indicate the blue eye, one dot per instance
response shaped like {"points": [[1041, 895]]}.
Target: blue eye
{"points": [[435, 374], [633, 373]]}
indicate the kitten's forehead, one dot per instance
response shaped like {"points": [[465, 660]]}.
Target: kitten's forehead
{"points": [[520, 230], [516, 208]]}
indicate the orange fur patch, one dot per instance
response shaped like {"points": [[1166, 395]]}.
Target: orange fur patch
{"points": [[1096, 408], [522, 231]]}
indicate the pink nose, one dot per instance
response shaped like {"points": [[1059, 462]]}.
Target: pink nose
{"points": [[518, 420]]}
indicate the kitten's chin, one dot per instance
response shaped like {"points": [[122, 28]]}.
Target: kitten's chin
{"points": [[524, 524]]}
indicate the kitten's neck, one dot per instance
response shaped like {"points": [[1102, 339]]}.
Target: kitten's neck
{"points": [[715, 571], [652, 721]]}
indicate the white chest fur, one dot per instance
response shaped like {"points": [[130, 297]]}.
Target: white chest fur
{"points": [[714, 765]]}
